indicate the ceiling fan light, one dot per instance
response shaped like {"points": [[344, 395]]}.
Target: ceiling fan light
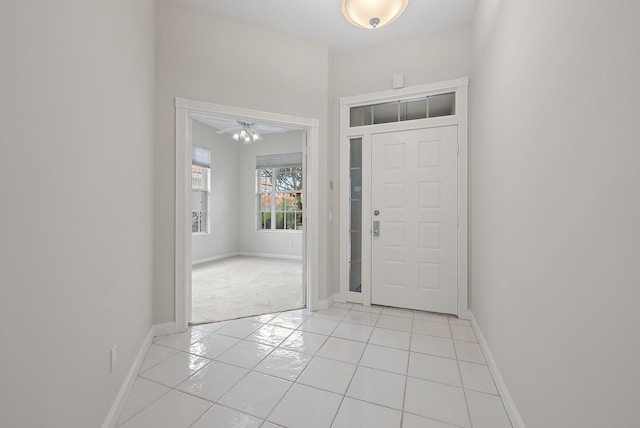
{"points": [[245, 133], [372, 14]]}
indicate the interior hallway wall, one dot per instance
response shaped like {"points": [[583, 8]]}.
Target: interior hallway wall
{"points": [[222, 238], [428, 59], [555, 204], [207, 57], [76, 224]]}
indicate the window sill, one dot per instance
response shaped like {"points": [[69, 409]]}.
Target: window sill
{"points": [[200, 233]]}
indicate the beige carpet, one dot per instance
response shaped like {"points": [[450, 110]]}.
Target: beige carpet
{"points": [[244, 286]]}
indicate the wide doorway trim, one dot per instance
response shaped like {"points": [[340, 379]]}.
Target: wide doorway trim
{"points": [[184, 108], [460, 119]]}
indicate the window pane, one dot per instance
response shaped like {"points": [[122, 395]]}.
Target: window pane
{"points": [[199, 221], [199, 177], [292, 204], [264, 220], [356, 215], [299, 221], [356, 184], [413, 109], [360, 116], [195, 221], [265, 180], [355, 152], [280, 202], [279, 220], [289, 179], [264, 203], [355, 261], [355, 275], [442, 105], [196, 177], [298, 201], [385, 113], [199, 200]]}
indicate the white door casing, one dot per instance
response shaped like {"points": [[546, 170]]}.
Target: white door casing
{"points": [[183, 147], [414, 190], [457, 121]]}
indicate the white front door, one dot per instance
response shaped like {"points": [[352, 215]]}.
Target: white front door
{"points": [[414, 184]]}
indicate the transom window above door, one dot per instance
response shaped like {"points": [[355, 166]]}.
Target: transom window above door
{"points": [[402, 110]]}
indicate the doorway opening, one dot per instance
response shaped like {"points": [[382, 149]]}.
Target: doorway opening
{"points": [[246, 215], [247, 218]]}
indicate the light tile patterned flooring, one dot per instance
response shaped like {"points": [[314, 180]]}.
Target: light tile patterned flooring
{"points": [[344, 367]]}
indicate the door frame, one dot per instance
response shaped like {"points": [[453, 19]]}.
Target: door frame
{"points": [[184, 108], [459, 119]]}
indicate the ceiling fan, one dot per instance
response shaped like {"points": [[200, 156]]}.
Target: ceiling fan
{"points": [[243, 131]]}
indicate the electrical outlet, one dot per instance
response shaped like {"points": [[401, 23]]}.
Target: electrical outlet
{"points": [[113, 359]]}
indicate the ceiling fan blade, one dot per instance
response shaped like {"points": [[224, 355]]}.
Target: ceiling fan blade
{"points": [[228, 129]]}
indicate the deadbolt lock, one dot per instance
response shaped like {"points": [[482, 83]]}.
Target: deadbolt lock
{"points": [[376, 228]]}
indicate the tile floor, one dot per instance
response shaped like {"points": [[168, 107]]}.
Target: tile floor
{"points": [[344, 367]]}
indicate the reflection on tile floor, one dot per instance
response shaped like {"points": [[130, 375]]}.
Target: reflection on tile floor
{"points": [[346, 366]]}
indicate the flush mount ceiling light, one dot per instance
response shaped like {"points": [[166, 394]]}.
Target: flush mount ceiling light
{"points": [[246, 133], [373, 13]]}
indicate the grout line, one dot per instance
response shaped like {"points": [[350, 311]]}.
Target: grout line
{"points": [[351, 380], [434, 419], [406, 379], [464, 391], [145, 407], [313, 357]]}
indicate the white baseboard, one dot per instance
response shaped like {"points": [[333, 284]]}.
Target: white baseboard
{"points": [[324, 304], [339, 298], [213, 259], [123, 393], [271, 256], [333, 299], [125, 389], [507, 399], [164, 328]]}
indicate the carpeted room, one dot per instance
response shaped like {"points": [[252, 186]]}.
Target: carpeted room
{"points": [[247, 260]]}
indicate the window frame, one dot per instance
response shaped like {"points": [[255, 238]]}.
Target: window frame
{"points": [[274, 193], [206, 189]]}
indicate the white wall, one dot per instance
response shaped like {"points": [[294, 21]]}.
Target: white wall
{"points": [[555, 204], [76, 223], [207, 57], [428, 59], [252, 241], [222, 238]]}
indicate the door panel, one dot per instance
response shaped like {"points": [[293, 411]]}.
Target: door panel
{"points": [[414, 189]]}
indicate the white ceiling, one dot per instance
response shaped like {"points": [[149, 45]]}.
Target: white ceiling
{"points": [[229, 125], [322, 20]]}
